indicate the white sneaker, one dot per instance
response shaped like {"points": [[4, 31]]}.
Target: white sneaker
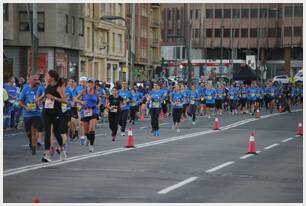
{"points": [[178, 130], [123, 134], [91, 148], [46, 158], [193, 123], [63, 155]]}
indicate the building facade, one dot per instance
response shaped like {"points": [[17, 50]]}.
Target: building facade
{"points": [[268, 37], [147, 40], [104, 54], [60, 34]]}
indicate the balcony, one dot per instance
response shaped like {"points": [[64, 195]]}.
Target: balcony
{"points": [[154, 23], [154, 42]]}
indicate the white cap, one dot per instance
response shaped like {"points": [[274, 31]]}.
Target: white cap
{"points": [[83, 78]]}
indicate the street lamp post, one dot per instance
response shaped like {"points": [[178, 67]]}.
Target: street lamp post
{"points": [[111, 18]]}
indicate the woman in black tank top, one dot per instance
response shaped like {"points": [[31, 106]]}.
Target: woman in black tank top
{"points": [[53, 97]]}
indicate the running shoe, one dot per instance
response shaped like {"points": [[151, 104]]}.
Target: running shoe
{"points": [[154, 133], [123, 134], [157, 133], [63, 155], [178, 130], [91, 148], [46, 158], [193, 123]]}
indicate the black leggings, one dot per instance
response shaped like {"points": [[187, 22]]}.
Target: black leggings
{"points": [[192, 111], [165, 106], [133, 111], [52, 118], [154, 112], [177, 113], [123, 119], [113, 118], [233, 104]]}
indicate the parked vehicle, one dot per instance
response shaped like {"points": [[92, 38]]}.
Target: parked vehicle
{"points": [[281, 78]]}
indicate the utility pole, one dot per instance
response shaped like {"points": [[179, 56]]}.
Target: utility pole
{"points": [[132, 46], [34, 40], [221, 60]]}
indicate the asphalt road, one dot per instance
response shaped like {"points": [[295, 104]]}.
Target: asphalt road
{"points": [[198, 165]]}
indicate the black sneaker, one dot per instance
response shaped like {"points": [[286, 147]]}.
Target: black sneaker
{"points": [[46, 158]]}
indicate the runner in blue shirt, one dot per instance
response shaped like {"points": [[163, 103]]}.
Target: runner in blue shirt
{"points": [[243, 98], [233, 96], [252, 98], [220, 93], [31, 112], [165, 101], [12, 105], [155, 101], [177, 102], [125, 94], [134, 105], [210, 95]]}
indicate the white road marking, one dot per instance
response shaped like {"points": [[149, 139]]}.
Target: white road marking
{"points": [[246, 156], [144, 127], [117, 150], [180, 184], [219, 167], [258, 152], [269, 147], [164, 123], [286, 140]]}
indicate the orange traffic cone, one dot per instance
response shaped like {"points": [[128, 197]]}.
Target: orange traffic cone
{"points": [[251, 146], [280, 109], [35, 200], [257, 114], [299, 130], [216, 124], [130, 142]]}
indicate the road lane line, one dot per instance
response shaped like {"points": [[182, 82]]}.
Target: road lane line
{"points": [[246, 156], [180, 184], [286, 140], [269, 147], [164, 123], [144, 127], [219, 167], [116, 150]]}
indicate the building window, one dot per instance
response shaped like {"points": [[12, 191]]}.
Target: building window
{"points": [[24, 24], [73, 25], [244, 33], [143, 52], [263, 32], [144, 11], [191, 14], [297, 31], [208, 32], [245, 13], [271, 32], [114, 9], [196, 33], [227, 13], [278, 32], [254, 13], [183, 53], [263, 13], [288, 11], [169, 15], [196, 13], [88, 37], [280, 13], [81, 27], [66, 23], [143, 32], [226, 32], [178, 15], [217, 32], [177, 49], [253, 32], [298, 10], [120, 42], [287, 31], [113, 42], [235, 33], [236, 13], [5, 12], [218, 13], [209, 13], [272, 13]]}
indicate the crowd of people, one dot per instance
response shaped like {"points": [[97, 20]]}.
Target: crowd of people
{"points": [[64, 110]]}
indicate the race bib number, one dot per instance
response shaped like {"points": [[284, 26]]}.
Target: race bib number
{"points": [[133, 104], [231, 97], [114, 109], [79, 107], [155, 104], [12, 101], [272, 94], [243, 95], [252, 94], [87, 112], [192, 101], [49, 104], [31, 106], [209, 97], [64, 106]]}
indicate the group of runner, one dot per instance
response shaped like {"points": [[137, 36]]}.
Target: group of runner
{"points": [[64, 110]]}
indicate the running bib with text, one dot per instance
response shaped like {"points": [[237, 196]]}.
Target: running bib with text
{"points": [[88, 112], [49, 104], [155, 104], [31, 106]]}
